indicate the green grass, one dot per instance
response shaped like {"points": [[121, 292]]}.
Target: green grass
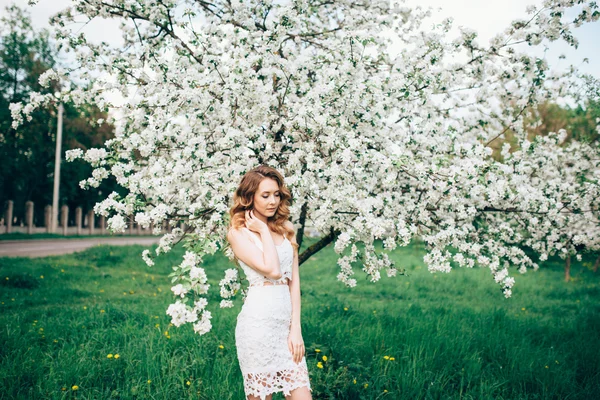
{"points": [[452, 336]]}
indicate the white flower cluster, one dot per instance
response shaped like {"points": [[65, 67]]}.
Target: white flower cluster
{"points": [[230, 285], [374, 143]]}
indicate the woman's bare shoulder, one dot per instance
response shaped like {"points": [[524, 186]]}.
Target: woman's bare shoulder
{"points": [[234, 233], [290, 225]]}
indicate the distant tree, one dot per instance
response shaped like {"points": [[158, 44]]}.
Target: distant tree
{"points": [[27, 153]]}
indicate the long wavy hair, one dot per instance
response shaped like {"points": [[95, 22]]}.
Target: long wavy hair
{"points": [[243, 199]]}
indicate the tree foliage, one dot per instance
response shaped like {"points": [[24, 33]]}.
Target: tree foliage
{"points": [[27, 153], [380, 120]]}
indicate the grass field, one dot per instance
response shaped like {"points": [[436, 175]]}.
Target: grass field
{"points": [[65, 319]]}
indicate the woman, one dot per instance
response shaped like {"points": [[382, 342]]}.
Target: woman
{"points": [[268, 337]]}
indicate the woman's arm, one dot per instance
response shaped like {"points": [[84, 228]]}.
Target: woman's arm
{"points": [[265, 262], [295, 341]]}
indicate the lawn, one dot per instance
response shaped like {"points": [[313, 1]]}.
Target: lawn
{"points": [[92, 325]]}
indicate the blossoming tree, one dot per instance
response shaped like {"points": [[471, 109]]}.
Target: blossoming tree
{"points": [[379, 120]]}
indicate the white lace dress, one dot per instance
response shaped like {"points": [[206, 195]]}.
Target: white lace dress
{"points": [[262, 330]]}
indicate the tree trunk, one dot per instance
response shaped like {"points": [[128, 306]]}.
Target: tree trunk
{"points": [[300, 233], [596, 264], [568, 269]]}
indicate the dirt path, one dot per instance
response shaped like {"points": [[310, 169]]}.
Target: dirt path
{"points": [[49, 247]]}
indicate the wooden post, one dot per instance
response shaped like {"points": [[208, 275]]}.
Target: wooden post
{"points": [[597, 264], [138, 230], [91, 221], [102, 224], [8, 215], [130, 218], [568, 269], [64, 218], [48, 218], [78, 219], [29, 216]]}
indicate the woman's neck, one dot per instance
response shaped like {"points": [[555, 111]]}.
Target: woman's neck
{"points": [[261, 217]]}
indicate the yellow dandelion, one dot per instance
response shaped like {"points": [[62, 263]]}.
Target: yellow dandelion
{"points": [[85, 307], [62, 270], [168, 336], [63, 389], [7, 278], [188, 383], [522, 308], [354, 381], [101, 290], [124, 293], [546, 367], [324, 358], [386, 357], [159, 289], [345, 308], [109, 356], [157, 326], [366, 385], [156, 317], [117, 356], [41, 276], [55, 341], [131, 292], [154, 294], [102, 311], [221, 346], [317, 351], [385, 391], [319, 364], [392, 358], [75, 387], [166, 333], [149, 380]]}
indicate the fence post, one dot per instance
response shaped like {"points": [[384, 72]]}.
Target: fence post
{"points": [[91, 221], [102, 224], [64, 218], [29, 216], [78, 220], [48, 218], [131, 224], [8, 215]]}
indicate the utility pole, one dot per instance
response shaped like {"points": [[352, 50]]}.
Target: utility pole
{"points": [[57, 168]]}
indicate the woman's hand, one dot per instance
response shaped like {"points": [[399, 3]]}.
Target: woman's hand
{"points": [[296, 344], [255, 224]]}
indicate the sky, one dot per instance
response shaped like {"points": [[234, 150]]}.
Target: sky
{"points": [[486, 17]]}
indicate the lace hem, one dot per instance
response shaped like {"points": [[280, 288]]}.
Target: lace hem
{"points": [[262, 384]]}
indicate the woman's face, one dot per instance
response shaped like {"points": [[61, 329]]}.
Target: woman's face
{"points": [[267, 197]]}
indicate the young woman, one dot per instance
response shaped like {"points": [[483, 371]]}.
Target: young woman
{"points": [[268, 337]]}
